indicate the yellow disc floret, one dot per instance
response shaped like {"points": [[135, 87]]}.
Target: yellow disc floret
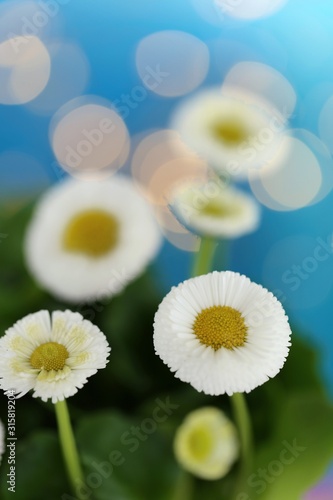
{"points": [[220, 326], [49, 356], [230, 131], [219, 209], [93, 232], [200, 442]]}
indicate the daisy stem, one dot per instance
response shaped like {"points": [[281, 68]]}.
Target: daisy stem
{"points": [[204, 257], [68, 445], [184, 487], [243, 421]]}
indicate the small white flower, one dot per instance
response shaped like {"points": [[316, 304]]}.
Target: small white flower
{"points": [[222, 333], [53, 356], [88, 240], [215, 210], [231, 135], [206, 443], [2, 440]]}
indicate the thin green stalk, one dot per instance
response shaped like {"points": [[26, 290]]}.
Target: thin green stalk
{"points": [[204, 257], [203, 264], [243, 421], [68, 446], [184, 487], [222, 260]]}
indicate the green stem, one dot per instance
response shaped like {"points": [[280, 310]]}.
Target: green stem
{"points": [[204, 257], [243, 421], [184, 487], [68, 446], [223, 255]]}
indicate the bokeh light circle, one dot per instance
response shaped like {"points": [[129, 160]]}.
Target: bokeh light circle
{"points": [[325, 125], [296, 266], [263, 82], [295, 178], [161, 161], [248, 9], [25, 67], [174, 232], [324, 158], [172, 63], [68, 79], [23, 18], [89, 139]]}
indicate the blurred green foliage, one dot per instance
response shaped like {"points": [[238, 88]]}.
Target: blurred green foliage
{"points": [[124, 463]]}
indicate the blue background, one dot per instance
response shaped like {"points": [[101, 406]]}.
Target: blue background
{"points": [[297, 41]]}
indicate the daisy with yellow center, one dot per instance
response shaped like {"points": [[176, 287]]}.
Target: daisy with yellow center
{"points": [[214, 210], [52, 356], [206, 443], [222, 333], [231, 135], [88, 240]]}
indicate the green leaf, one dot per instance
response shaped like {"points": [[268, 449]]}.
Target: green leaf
{"points": [[129, 459], [301, 370], [19, 295], [39, 469], [299, 452]]}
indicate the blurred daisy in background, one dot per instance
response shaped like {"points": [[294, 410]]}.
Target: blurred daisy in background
{"points": [[88, 240], [215, 210], [230, 134], [222, 333], [206, 443], [53, 356]]}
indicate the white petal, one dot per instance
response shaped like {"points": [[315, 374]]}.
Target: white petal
{"points": [[195, 119], [74, 276], [87, 348], [242, 213], [223, 371]]}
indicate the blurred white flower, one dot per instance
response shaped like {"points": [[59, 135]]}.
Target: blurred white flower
{"points": [[215, 210], [53, 356], [206, 443], [222, 333], [231, 135], [88, 240]]}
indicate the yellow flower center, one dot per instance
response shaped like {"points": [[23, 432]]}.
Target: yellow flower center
{"points": [[92, 232], [49, 356], [220, 326], [230, 131], [200, 443], [218, 209]]}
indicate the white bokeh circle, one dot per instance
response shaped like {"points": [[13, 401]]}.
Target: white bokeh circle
{"points": [[294, 178], [89, 139], [25, 67], [172, 63]]}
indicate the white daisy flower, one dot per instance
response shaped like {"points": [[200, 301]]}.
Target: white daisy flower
{"points": [[53, 356], [215, 210], [222, 333], [206, 443], [231, 135], [2, 440], [88, 240]]}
